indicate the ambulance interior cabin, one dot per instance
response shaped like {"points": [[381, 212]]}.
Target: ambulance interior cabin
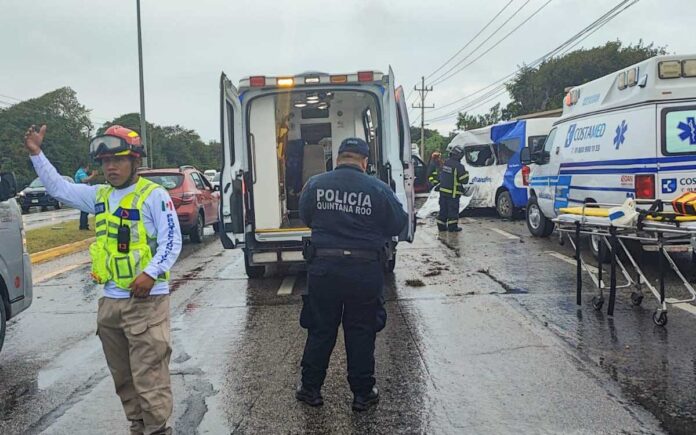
{"points": [[298, 132]]}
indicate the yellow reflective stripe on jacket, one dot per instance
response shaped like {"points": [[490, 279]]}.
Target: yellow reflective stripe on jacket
{"points": [[108, 264]]}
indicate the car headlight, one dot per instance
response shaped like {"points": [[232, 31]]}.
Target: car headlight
{"points": [[21, 194]]}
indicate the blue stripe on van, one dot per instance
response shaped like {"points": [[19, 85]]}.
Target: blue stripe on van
{"points": [[623, 162], [604, 189], [650, 170]]}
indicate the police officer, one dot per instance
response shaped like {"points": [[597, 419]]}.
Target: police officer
{"points": [[137, 241], [352, 217], [453, 177]]}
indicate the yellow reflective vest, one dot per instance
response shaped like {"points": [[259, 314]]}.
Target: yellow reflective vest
{"points": [[108, 264]]}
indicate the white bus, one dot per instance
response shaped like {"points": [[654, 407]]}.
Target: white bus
{"points": [[277, 131]]}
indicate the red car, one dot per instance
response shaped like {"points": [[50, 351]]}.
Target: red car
{"points": [[194, 198]]}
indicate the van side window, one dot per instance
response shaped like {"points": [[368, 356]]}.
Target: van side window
{"points": [[480, 155], [506, 150], [545, 155], [679, 130]]}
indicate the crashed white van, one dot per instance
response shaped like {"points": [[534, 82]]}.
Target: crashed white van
{"points": [[492, 158], [15, 266], [277, 131], [628, 134]]}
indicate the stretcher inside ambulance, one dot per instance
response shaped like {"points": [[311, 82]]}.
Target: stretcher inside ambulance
{"points": [[277, 132]]}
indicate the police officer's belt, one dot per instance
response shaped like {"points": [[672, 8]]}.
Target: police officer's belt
{"points": [[347, 253]]}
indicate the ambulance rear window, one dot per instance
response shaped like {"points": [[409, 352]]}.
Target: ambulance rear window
{"points": [[679, 130]]}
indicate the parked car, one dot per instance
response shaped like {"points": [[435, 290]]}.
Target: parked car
{"points": [[216, 181], [195, 200], [421, 184], [210, 174], [35, 196], [15, 266]]}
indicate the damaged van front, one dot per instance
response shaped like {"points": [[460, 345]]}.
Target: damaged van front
{"points": [[277, 132]]}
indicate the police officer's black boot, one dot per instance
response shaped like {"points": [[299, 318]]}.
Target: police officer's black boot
{"points": [[363, 402], [309, 396]]}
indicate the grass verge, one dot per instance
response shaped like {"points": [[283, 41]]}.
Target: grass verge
{"points": [[51, 236]]}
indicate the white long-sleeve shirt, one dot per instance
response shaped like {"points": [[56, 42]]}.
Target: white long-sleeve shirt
{"points": [[160, 221]]}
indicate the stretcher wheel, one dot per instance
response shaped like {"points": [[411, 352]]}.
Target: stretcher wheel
{"points": [[597, 302], [660, 318], [636, 298]]}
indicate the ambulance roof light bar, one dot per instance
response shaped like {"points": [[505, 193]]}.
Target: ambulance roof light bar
{"points": [[312, 79]]}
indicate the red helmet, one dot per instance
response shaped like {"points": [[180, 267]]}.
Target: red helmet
{"points": [[118, 141]]}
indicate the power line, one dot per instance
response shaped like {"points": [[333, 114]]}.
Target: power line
{"points": [[514, 14], [489, 49], [563, 48], [470, 40]]}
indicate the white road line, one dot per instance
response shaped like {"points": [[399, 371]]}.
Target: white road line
{"points": [[59, 272], [570, 260], [504, 233], [684, 306], [287, 285]]}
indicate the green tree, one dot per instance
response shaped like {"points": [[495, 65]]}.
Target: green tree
{"points": [[465, 121], [543, 88], [66, 141]]}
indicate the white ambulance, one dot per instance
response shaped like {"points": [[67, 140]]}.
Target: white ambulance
{"points": [[277, 131], [15, 266], [629, 134], [492, 158]]}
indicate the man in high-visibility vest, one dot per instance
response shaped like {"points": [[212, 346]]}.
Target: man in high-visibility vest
{"points": [[453, 177], [137, 242]]}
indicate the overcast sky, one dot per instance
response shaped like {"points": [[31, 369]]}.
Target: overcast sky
{"points": [[91, 45]]}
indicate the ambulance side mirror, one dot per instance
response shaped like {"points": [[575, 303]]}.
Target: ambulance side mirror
{"points": [[525, 156], [8, 186]]}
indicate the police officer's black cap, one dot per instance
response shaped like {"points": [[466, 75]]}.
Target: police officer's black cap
{"points": [[354, 145]]}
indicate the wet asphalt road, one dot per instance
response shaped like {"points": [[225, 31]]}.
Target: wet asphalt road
{"points": [[483, 336], [37, 218]]}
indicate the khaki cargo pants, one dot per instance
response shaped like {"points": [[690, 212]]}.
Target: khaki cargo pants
{"points": [[136, 341]]}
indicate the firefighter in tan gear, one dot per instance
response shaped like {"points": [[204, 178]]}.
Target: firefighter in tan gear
{"points": [[137, 242]]}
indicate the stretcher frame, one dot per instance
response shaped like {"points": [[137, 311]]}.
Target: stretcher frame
{"points": [[659, 236]]}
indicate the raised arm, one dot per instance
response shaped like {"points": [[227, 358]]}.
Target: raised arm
{"points": [[80, 196]]}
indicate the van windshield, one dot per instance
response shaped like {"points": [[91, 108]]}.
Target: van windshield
{"points": [[303, 129], [480, 155], [36, 183]]}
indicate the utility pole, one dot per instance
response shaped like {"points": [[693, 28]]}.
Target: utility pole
{"points": [[423, 92], [143, 124]]}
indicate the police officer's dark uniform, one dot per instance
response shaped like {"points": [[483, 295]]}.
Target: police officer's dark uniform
{"points": [[351, 215], [453, 176]]}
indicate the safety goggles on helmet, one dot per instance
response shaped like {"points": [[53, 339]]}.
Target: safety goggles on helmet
{"points": [[113, 145]]}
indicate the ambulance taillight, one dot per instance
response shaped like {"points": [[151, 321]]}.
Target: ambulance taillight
{"points": [[645, 186]]}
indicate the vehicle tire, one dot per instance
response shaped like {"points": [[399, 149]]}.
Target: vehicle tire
{"points": [[58, 206], [3, 322], [25, 210], [253, 272], [605, 255], [44, 208], [504, 205], [537, 224], [196, 234], [216, 227]]}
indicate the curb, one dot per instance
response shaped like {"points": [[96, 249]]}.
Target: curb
{"points": [[50, 254]]}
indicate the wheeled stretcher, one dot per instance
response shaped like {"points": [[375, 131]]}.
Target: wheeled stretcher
{"points": [[613, 226]]}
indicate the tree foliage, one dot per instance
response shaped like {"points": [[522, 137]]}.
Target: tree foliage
{"points": [[69, 129], [465, 121], [543, 88], [66, 141]]}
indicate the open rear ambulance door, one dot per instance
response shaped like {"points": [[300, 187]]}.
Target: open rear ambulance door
{"points": [[232, 183], [409, 175]]}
